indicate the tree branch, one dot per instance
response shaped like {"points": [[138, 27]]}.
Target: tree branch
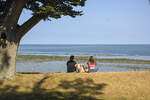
{"points": [[27, 26], [12, 12]]}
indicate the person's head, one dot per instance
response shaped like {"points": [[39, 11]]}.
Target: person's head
{"points": [[3, 35], [71, 57], [91, 60]]}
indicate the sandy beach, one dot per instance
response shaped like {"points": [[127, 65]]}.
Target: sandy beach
{"points": [[78, 86]]}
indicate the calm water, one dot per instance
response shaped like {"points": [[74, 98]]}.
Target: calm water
{"points": [[60, 66], [85, 49], [99, 51]]}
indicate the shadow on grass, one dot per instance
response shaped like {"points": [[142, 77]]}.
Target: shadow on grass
{"points": [[78, 89]]}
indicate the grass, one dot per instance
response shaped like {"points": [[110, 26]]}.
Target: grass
{"points": [[39, 58], [78, 86]]}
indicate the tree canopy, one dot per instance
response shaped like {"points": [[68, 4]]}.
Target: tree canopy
{"points": [[47, 9], [11, 32]]}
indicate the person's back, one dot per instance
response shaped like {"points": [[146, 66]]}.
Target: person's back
{"points": [[71, 65], [92, 65]]}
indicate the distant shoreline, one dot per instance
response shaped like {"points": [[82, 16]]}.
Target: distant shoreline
{"points": [[44, 58], [84, 44]]}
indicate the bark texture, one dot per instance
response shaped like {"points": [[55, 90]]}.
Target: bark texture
{"points": [[8, 60], [8, 37], [11, 34]]}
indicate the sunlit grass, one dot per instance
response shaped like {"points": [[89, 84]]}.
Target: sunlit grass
{"points": [[78, 86]]}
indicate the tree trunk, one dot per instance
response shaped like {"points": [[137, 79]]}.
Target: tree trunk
{"points": [[8, 37], [8, 53], [13, 32]]}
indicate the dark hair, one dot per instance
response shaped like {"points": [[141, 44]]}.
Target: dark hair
{"points": [[71, 58], [3, 35], [91, 60]]}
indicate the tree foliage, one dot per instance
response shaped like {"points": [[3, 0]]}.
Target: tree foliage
{"points": [[47, 9]]}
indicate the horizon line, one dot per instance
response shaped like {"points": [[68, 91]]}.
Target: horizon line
{"points": [[82, 44]]}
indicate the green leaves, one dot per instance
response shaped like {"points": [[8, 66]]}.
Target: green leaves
{"points": [[2, 28], [78, 2], [47, 9]]}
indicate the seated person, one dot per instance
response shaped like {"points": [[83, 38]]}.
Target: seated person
{"points": [[71, 65], [92, 65]]}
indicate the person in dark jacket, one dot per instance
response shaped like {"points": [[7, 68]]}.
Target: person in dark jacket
{"points": [[71, 64]]}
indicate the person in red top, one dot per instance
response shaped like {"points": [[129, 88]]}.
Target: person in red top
{"points": [[92, 65]]}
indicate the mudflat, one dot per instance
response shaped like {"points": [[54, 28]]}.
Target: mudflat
{"points": [[42, 58]]}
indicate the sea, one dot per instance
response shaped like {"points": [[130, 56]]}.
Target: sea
{"points": [[99, 51]]}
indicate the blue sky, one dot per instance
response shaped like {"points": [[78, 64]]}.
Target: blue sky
{"points": [[103, 22]]}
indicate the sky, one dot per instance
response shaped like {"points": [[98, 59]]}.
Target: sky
{"points": [[103, 22]]}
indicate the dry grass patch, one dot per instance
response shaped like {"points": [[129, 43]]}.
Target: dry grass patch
{"points": [[75, 86]]}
